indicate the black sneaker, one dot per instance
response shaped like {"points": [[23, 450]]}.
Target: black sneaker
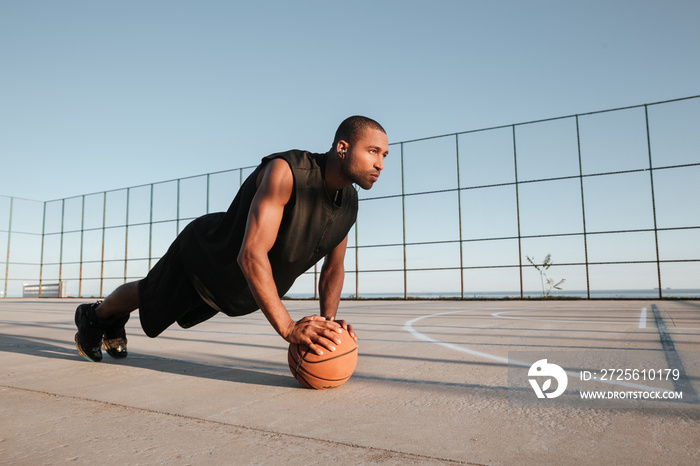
{"points": [[88, 340], [114, 339]]}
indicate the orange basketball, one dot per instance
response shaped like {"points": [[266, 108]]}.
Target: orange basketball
{"points": [[328, 371]]}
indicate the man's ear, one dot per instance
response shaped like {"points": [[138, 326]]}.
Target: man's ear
{"points": [[342, 148]]}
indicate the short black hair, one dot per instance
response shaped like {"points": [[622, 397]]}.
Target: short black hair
{"points": [[352, 128]]}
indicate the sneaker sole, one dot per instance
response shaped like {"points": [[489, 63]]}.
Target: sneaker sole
{"points": [[82, 353], [113, 353]]}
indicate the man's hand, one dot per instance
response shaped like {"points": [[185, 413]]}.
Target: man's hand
{"points": [[315, 332], [347, 327]]}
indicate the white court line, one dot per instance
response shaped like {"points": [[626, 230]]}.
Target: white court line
{"points": [[408, 326], [501, 316], [642, 319]]}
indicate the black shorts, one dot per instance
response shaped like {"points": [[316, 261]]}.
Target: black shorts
{"points": [[167, 296]]}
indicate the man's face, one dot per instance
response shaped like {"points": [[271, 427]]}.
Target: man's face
{"points": [[365, 158]]}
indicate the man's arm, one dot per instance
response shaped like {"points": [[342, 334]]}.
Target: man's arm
{"points": [[264, 219], [331, 284]]}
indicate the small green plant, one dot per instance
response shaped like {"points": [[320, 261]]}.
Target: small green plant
{"points": [[547, 283]]}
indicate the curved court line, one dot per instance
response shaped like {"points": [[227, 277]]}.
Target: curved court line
{"points": [[408, 326]]}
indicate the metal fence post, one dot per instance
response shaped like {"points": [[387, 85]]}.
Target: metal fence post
{"points": [[403, 219], [102, 259], [60, 253], [82, 234], [41, 259], [7, 257], [517, 210], [357, 266], [177, 222], [126, 235], [208, 174], [583, 210], [653, 201], [150, 232], [459, 218]]}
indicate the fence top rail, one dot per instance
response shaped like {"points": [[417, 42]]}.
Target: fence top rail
{"points": [[150, 184], [20, 198], [397, 144], [545, 120]]}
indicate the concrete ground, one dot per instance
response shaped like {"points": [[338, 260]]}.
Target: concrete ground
{"points": [[431, 387]]}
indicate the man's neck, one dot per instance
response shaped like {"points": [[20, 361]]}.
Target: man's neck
{"points": [[334, 179]]}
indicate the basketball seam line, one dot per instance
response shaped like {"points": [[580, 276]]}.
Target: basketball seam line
{"points": [[329, 359], [301, 358]]}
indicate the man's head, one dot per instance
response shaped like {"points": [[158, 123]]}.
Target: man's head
{"points": [[360, 145], [353, 127]]}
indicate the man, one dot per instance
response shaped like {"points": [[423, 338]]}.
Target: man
{"points": [[293, 210]]}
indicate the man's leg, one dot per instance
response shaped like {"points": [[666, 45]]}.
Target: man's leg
{"points": [[102, 323], [120, 303]]}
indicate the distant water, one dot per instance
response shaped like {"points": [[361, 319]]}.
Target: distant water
{"points": [[692, 293]]}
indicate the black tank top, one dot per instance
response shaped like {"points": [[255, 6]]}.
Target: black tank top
{"points": [[312, 225]]}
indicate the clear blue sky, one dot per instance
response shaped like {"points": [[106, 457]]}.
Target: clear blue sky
{"points": [[103, 95]]}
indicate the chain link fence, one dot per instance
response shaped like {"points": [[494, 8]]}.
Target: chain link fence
{"points": [[612, 197]]}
